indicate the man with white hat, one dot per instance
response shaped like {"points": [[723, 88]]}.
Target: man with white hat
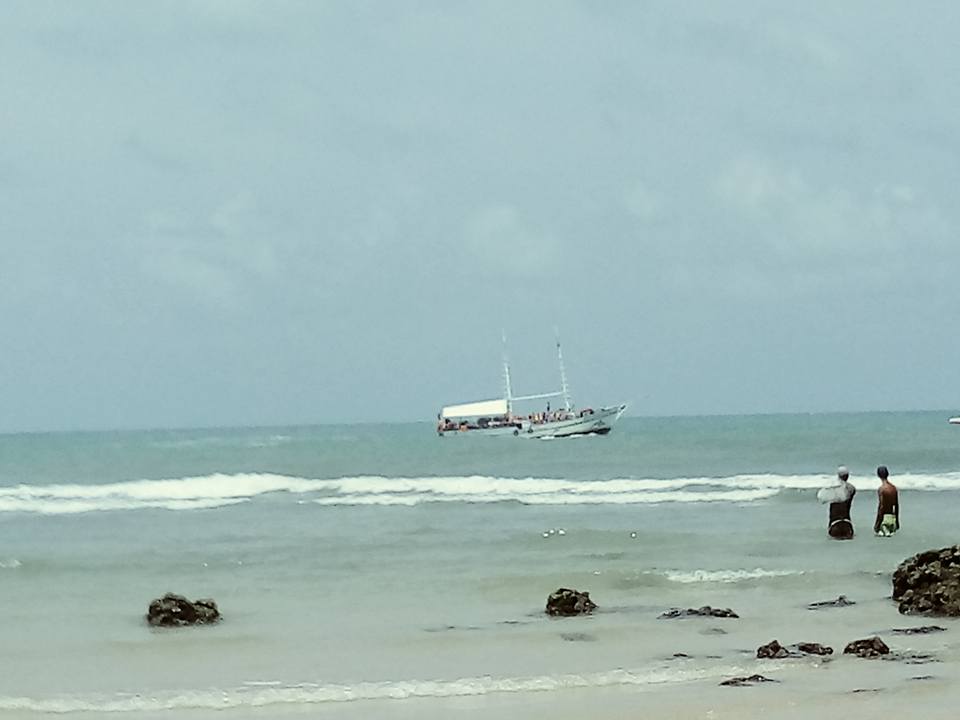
{"points": [[840, 497]]}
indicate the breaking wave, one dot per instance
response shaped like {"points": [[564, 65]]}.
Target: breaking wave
{"points": [[724, 576], [265, 694], [219, 490]]}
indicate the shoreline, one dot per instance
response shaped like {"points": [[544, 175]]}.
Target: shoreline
{"points": [[802, 694]]}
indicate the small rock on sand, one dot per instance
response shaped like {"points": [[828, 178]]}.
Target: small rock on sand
{"points": [[747, 681], [868, 648], [705, 611], [925, 630], [841, 601]]}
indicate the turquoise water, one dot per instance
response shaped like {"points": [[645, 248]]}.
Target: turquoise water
{"points": [[356, 563], [640, 447]]}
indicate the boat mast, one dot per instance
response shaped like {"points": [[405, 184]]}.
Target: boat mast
{"points": [[507, 389], [564, 388]]}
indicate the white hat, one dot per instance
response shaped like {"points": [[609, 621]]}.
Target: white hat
{"points": [[842, 471]]}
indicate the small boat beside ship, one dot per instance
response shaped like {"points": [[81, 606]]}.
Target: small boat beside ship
{"points": [[500, 417]]}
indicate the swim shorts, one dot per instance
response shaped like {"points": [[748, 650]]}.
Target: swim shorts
{"points": [[888, 525]]}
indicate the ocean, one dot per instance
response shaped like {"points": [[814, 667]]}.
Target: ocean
{"points": [[382, 571]]}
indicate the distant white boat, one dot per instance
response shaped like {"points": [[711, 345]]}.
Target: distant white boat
{"points": [[499, 417], [954, 420]]}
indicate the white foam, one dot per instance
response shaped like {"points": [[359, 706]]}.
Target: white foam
{"points": [[267, 693], [192, 493], [73, 506], [218, 490], [725, 576], [910, 481], [10, 564], [640, 498]]}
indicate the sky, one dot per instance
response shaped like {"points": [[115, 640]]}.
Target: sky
{"points": [[227, 212]]}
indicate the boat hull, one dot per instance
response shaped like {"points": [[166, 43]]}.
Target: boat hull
{"points": [[486, 432], [598, 422]]}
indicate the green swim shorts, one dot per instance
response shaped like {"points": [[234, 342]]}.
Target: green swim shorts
{"points": [[888, 526]]}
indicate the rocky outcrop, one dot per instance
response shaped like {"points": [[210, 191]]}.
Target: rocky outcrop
{"points": [[929, 583], [705, 611], [175, 610], [774, 649], [925, 630], [869, 648], [566, 602], [747, 681], [842, 601]]}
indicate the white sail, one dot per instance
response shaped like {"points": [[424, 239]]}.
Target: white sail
{"points": [[481, 408]]}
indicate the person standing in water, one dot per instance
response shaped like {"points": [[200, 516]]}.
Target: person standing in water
{"points": [[840, 497], [888, 505]]}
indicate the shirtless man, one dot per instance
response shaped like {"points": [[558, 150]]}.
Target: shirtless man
{"points": [[888, 505]]}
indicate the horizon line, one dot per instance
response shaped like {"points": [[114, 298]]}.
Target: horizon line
{"points": [[323, 423]]}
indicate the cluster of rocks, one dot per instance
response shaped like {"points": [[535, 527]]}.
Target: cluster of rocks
{"points": [[929, 583], [568, 602], [176, 611]]}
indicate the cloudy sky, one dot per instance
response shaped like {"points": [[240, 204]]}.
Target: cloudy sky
{"points": [[232, 212]]}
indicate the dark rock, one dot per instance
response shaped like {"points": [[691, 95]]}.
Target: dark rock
{"points": [[869, 648], [775, 650], [929, 583], [705, 611], [175, 610], [841, 601], [814, 649], [772, 649], [747, 681], [566, 602], [925, 630]]}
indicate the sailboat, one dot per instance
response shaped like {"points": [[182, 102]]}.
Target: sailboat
{"points": [[499, 416]]}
